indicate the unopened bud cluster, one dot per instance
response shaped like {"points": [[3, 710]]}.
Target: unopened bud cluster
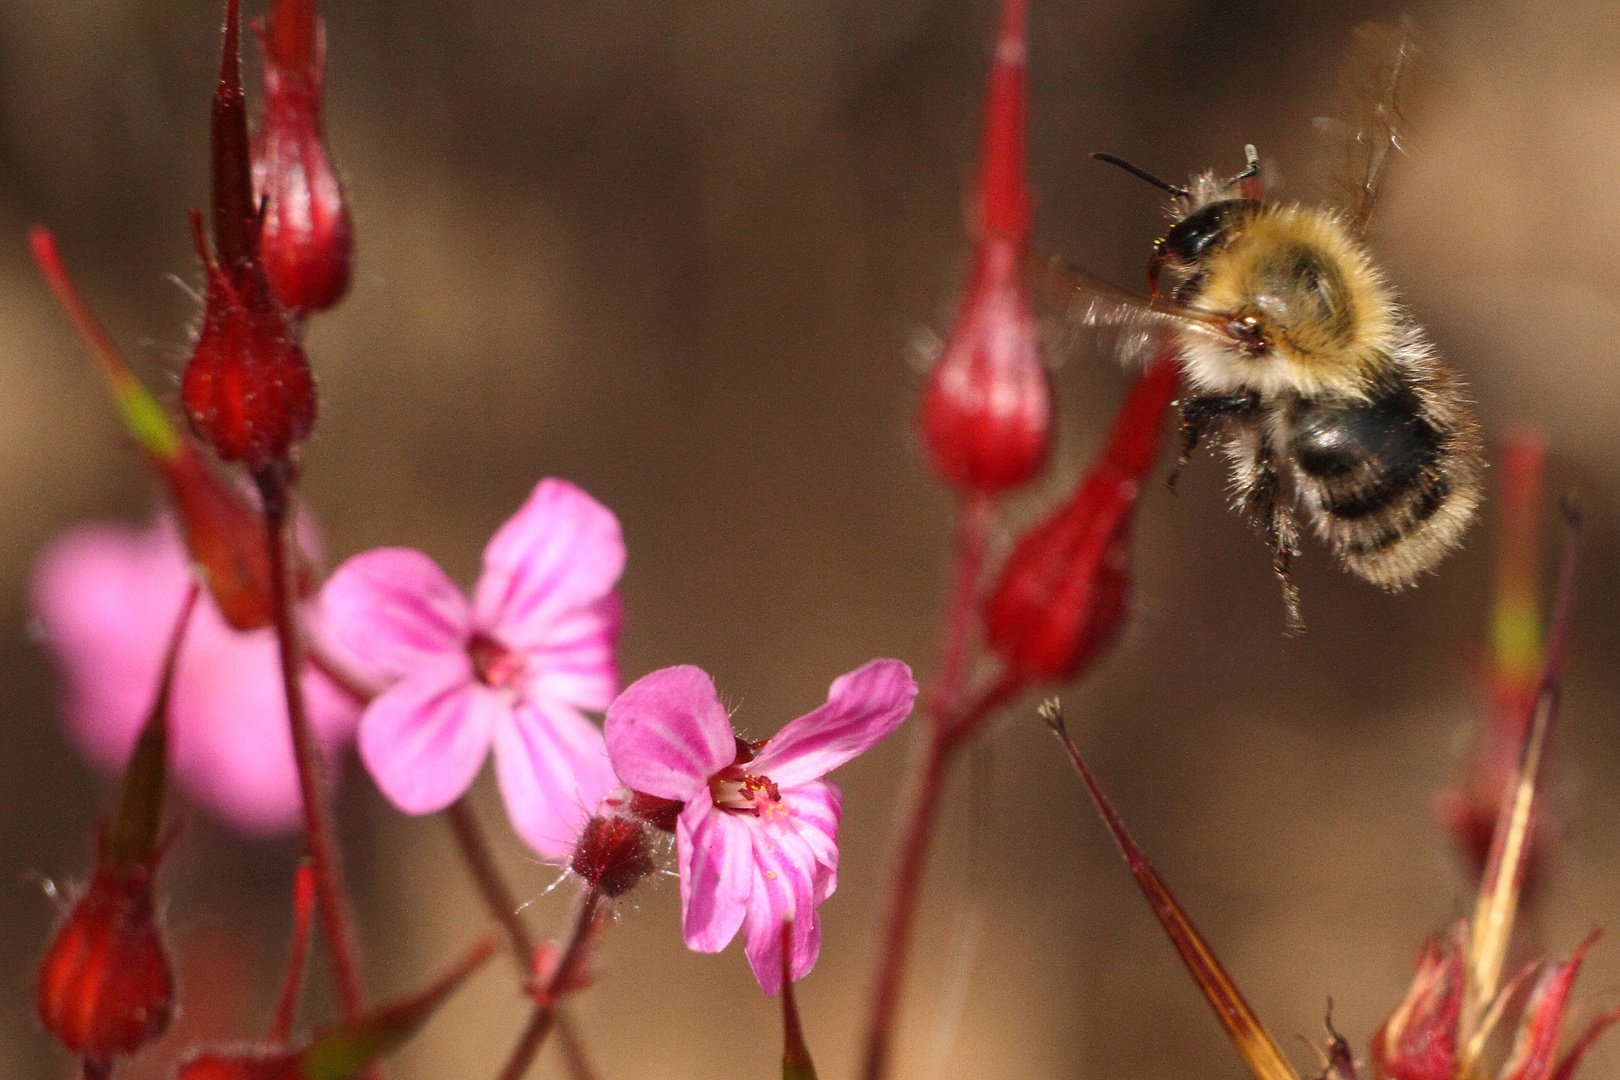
{"points": [[283, 243]]}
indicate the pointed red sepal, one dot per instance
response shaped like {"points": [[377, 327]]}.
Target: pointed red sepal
{"points": [[306, 241], [1249, 1036], [1542, 1021], [1061, 598], [1419, 1040], [236, 216], [1572, 1060], [796, 1061]]}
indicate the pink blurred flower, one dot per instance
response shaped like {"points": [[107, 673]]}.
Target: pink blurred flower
{"points": [[757, 839], [512, 668], [105, 597]]}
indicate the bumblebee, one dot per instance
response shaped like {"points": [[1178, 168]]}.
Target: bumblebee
{"points": [[1326, 397]]}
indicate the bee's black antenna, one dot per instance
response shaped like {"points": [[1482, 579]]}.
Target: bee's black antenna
{"points": [[1143, 174]]}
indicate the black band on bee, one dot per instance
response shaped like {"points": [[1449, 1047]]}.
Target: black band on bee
{"points": [[1368, 456]]}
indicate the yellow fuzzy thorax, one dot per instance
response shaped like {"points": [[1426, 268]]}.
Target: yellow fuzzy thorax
{"points": [[1330, 319]]}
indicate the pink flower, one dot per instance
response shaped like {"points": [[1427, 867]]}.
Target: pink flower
{"points": [[105, 598], [757, 839], [512, 668]]}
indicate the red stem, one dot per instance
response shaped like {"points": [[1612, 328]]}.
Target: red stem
{"points": [[563, 980], [502, 903], [319, 837], [972, 530], [947, 728], [497, 895], [297, 956]]}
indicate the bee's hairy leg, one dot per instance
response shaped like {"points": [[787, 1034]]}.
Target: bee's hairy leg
{"points": [[1200, 415], [1262, 501]]}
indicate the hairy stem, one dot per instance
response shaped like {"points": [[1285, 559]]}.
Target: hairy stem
{"points": [[331, 905], [562, 981]]}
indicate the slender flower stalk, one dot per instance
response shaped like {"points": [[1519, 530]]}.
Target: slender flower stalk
{"points": [[297, 955], [501, 900], [567, 977], [1058, 604], [331, 901]]}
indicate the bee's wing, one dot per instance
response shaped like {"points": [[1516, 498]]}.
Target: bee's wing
{"points": [[1089, 304], [1376, 85]]}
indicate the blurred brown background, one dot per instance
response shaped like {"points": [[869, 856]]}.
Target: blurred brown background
{"points": [[676, 251]]}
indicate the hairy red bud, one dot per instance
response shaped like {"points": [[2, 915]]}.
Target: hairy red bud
{"points": [[1062, 594], [614, 854], [106, 987], [306, 240], [247, 390]]}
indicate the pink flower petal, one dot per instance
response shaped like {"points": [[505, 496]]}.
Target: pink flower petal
{"points": [[813, 813], [553, 769], [425, 737], [230, 743], [390, 610], [668, 733], [862, 708], [106, 597], [782, 891], [715, 853], [561, 551], [577, 664]]}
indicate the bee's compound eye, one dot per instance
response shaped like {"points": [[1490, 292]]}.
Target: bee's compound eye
{"points": [[1249, 334]]}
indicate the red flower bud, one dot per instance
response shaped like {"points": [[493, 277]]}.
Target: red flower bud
{"points": [[614, 854], [1419, 1040], [306, 241], [247, 391], [1061, 598], [987, 410], [105, 987]]}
